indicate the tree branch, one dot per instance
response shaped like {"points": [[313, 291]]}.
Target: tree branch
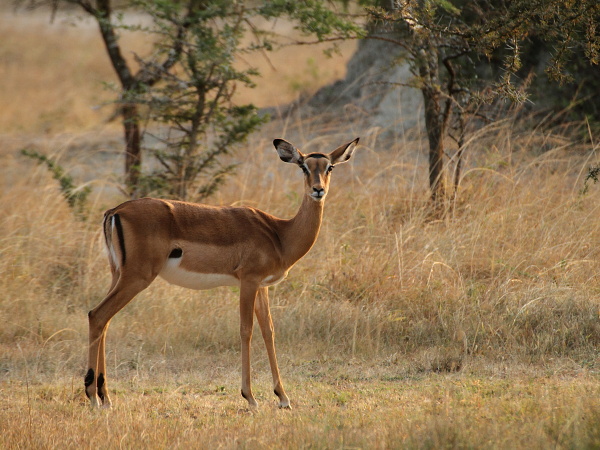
{"points": [[102, 15]]}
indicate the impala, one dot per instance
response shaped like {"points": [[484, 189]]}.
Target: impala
{"points": [[202, 247]]}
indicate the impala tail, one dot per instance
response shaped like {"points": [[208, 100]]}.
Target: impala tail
{"points": [[114, 240]]}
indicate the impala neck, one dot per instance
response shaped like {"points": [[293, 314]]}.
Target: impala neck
{"points": [[301, 232]]}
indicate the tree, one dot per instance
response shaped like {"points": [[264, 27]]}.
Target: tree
{"points": [[190, 77], [198, 122], [464, 56], [445, 42], [131, 82]]}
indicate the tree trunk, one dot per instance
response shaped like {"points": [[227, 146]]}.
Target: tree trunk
{"points": [[129, 111], [101, 11], [434, 121], [133, 153], [435, 132]]}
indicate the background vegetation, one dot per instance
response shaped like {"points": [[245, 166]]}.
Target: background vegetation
{"points": [[396, 330]]}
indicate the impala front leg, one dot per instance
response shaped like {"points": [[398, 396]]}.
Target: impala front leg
{"points": [[263, 314], [248, 292]]}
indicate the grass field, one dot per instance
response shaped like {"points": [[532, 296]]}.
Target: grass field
{"points": [[331, 411], [478, 330]]}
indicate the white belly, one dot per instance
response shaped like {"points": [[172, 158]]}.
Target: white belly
{"points": [[193, 280], [272, 280]]}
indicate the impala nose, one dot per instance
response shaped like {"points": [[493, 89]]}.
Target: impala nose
{"points": [[318, 192]]}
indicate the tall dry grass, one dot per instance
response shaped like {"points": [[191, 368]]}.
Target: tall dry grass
{"points": [[509, 274], [479, 329]]}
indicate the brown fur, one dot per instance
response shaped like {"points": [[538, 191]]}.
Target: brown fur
{"points": [[243, 243]]}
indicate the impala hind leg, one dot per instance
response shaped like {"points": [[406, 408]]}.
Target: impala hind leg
{"points": [[101, 388], [99, 318], [263, 314], [247, 300]]}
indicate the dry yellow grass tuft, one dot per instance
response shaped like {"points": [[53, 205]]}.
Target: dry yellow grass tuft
{"points": [[396, 330]]}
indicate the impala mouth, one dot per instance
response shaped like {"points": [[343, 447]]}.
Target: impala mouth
{"points": [[318, 196]]}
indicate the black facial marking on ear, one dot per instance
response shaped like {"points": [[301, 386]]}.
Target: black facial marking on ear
{"points": [[286, 151], [176, 253]]}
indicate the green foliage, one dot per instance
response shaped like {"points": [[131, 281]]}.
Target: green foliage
{"points": [[449, 42], [315, 17], [593, 174], [472, 30], [183, 91], [191, 112], [76, 196], [189, 106]]}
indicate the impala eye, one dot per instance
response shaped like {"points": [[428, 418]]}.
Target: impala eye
{"points": [[329, 169], [304, 169]]}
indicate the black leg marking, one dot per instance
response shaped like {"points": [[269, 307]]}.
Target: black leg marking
{"points": [[277, 393], [176, 253], [244, 395], [100, 385], [89, 377], [88, 380]]}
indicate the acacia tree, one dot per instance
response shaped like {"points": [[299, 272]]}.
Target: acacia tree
{"points": [[464, 56], [195, 102], [193, 108], [445, 41], [187, 81], [131, 81]]}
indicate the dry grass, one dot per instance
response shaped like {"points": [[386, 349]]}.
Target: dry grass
{"points": [[442, 412], [396, 330]]}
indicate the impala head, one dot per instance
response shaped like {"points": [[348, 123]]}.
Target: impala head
{"points": [[317, 167]]}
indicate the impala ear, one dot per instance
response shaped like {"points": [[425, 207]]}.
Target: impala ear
{"points": [[343, 153], [287, 152]]}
